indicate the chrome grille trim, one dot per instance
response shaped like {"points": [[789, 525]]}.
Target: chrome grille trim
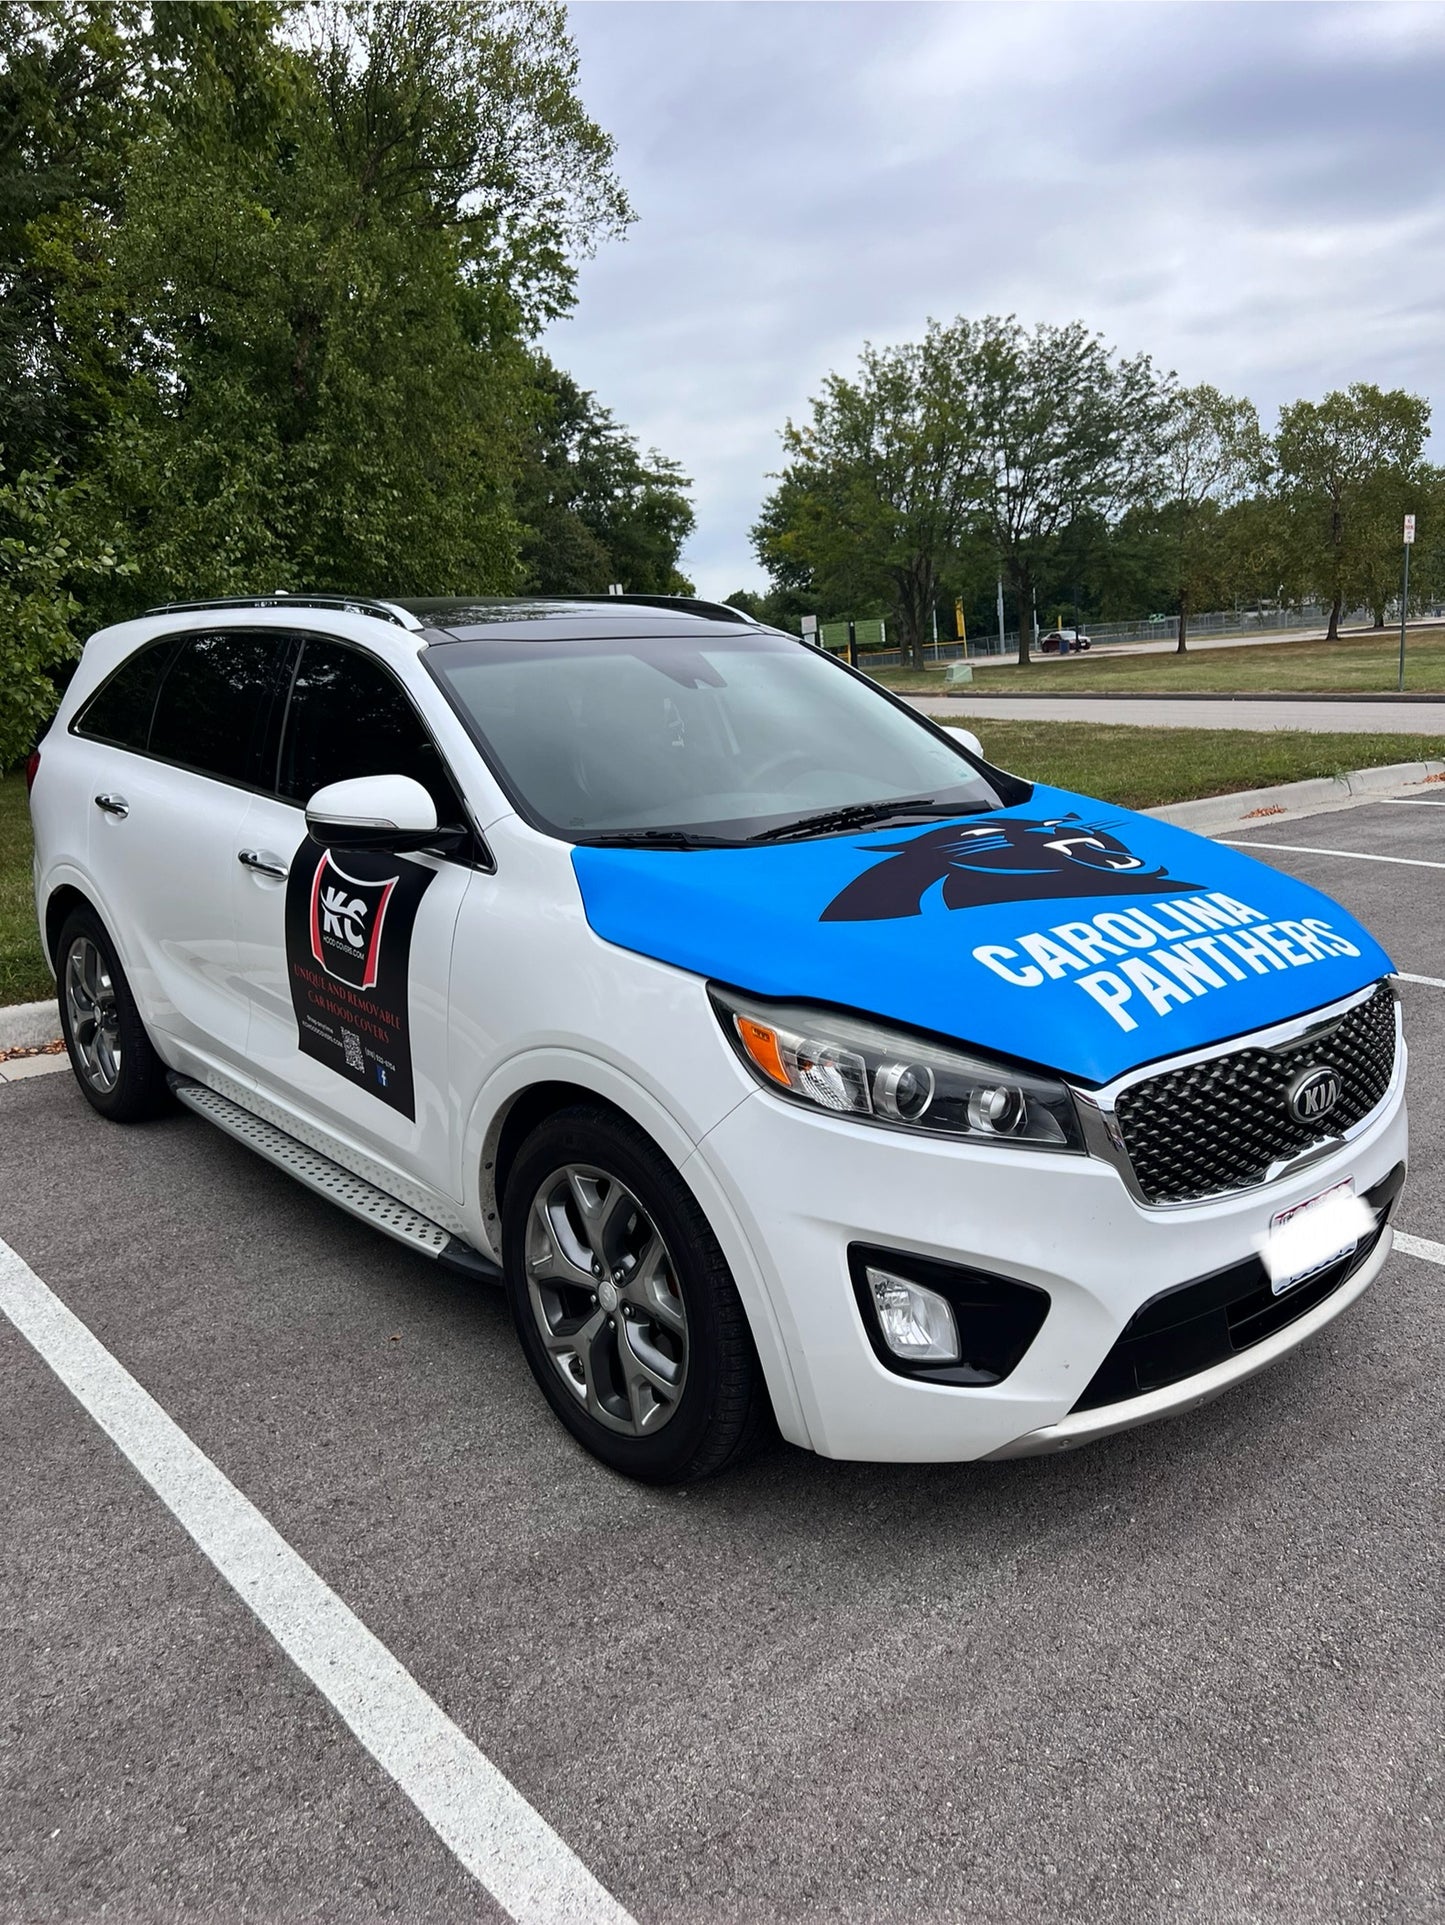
{"points": [[1104, 1133]]}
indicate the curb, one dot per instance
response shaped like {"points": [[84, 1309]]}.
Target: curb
{"points": [[1214, 812], [28, 1025]]}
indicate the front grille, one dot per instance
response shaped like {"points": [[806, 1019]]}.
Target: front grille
{"points": [[1217, 1126], [1196, 1325]]}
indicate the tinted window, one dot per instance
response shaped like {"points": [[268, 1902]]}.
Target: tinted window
{"points": [[348, 718], [214, 703], [121, 711]]}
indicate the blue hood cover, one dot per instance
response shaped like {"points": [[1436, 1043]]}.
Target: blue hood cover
{"points": [[1074, 935]]}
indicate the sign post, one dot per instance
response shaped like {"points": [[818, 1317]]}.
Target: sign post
{"points": [[1405, 595], [810, 629]]}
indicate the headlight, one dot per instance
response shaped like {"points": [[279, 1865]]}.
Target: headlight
{"points": [[854, 1067]]}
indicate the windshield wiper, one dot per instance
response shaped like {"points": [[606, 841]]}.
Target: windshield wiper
{"points": [[656, 839], [858, 815]]}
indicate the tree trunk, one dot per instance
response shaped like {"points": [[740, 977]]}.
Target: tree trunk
{"points": [[1023, 584], [915, 589], [1379, 614], [1332, 634], [1183, 625]]}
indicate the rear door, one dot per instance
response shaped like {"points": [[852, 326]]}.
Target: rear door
{"points": [[345, 957], [173, 747]]}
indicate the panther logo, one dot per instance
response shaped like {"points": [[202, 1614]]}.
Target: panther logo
{"points": [[1002, 860]]}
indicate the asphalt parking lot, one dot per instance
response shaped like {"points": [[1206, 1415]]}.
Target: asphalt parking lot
{"points": [[1189, 1674]]}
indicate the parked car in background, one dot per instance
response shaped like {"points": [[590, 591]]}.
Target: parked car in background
{"points": [[1064, 641]]}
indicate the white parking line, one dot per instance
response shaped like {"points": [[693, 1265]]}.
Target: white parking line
{"points": [[1350, 855], [476, 1812], [1430, 982], [1420, 1247], [1410, 802]]}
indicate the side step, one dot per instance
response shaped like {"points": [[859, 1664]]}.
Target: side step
{"points": [[337, 1185]]}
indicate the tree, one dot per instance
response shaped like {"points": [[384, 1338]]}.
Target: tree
{"points": [[980, 440], [1211, 449], [1336, 458], [1063, 429], [595, 511], [878, 490]]}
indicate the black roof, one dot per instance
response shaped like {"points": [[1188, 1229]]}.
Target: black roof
{"points": [[478, 617]]}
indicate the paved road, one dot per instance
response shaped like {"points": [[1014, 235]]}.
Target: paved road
{"points": [[1191, 1676], [1334, 718]]}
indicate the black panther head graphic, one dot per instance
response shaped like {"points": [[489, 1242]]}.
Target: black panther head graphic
{"points": [[1001, 860]]}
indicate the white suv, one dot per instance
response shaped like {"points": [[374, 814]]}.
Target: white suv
{"points": [[784, 1057]]}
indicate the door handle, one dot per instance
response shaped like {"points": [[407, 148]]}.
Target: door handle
{"points": [[113, 804], [263, 864]]}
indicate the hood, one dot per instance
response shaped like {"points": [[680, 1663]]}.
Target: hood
{"points": [[1078, 936]]}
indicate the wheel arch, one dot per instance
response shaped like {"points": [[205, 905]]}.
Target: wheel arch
{"points": [[538, 1086], [58, 907]]}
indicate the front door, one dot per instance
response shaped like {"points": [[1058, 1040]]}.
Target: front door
{"points": [[345, 957]]}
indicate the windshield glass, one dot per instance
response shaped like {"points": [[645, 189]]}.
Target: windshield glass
{"points": [[717, 736]]}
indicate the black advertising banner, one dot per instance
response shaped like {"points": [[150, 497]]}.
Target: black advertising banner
{"points": [[349, 920]]}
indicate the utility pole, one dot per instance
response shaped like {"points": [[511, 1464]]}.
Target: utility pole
{"points": [[1405, 595], [1001, 649]]}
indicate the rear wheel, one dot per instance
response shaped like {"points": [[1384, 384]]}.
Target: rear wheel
{"points": [[624, 1304], [118, 1071]]}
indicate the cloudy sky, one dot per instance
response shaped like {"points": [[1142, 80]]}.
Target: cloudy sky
{"points": [[1254, 194]]}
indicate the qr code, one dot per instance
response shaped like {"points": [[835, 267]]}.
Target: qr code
{"points": [[351, 1043]]}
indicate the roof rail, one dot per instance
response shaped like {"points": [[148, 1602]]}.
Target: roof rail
{"points": [[347, 604], [684, 604]]}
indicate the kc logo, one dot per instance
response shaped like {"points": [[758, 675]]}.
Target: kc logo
{"points": [[347, 918], [341, 916]]}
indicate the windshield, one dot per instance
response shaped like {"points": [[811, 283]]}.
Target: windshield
{"points": [[709, 738]]}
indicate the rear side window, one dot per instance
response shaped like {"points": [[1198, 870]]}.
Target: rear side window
{"points": [[215, 702], [348, 717], [121, 710]]}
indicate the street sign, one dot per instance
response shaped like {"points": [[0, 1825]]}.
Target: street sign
{"points": [[1409, 528], [810, 628], [958, 621]]}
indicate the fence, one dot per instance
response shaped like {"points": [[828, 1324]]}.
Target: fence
{"points": [[1164, 628]]}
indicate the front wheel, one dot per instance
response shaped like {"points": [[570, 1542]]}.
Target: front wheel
{"points": [[624, 1304]]}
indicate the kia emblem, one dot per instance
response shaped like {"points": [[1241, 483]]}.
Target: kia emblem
{"points": [[1313, 1095]]}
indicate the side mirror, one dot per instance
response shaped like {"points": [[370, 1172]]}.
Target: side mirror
{"points": [[970, 741], [373, 812]]}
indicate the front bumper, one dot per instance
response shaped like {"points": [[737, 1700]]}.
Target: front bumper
{"points": [[806, 1187]]}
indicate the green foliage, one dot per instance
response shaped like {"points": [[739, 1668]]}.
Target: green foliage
{"points": [[1085, 480], [595, 511], [46, 547], [983, 445], [273, 276], [1349, 465]]}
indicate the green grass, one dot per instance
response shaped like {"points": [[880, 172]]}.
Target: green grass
{"points": [[23, 975], [1355, 665], [1142, 768], [1138, 768]]}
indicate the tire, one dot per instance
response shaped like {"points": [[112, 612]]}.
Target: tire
{"points": [[663, 1383], [117, 1069]]}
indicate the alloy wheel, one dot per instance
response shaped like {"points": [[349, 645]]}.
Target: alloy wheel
{"points": [[604, 1292], [90, 1002]]}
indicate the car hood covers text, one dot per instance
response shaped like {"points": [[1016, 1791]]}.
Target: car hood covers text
{"points": [[1078, 936]]}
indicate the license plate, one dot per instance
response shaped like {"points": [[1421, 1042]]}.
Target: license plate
{"points": [[1310, 1236]]}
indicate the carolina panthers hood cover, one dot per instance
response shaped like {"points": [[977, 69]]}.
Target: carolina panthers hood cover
{"points": [[1074, 935]]}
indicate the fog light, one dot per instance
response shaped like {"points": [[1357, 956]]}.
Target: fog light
{"points": [[916, 1324]]}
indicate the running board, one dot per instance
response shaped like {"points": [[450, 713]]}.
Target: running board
{"points": [[339, 1186]]}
